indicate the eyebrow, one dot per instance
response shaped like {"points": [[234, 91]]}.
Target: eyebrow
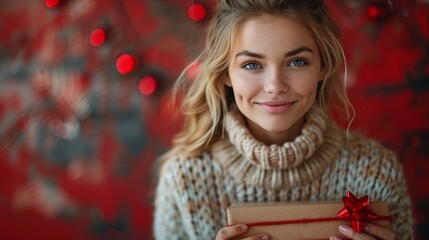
{"points": [[288, 54]]}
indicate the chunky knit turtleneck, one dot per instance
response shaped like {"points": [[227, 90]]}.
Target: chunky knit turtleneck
{"points": [[318, 165], [289, 164]]}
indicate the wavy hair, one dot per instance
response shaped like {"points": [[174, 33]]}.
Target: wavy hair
{"points": [[206, 99]]}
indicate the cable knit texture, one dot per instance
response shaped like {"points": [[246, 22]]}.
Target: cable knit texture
{"points": [[319, 165], [289, 164]]}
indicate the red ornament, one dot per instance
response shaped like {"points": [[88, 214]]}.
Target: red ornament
{"points": [[357, 211], [197, 12], [98, 37], [125, 63], [52, 3], [147, 85]]}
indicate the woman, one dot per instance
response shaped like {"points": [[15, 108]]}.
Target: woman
{"points": [[258, 127]]}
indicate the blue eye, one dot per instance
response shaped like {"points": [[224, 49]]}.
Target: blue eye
{"points": [[251, 66], [297, 63]]}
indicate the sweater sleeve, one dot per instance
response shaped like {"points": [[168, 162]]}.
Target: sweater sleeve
{"points": [[399, 202], [168, 222]]}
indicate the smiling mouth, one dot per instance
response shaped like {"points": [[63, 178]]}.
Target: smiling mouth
{"points": [[275, 107]]}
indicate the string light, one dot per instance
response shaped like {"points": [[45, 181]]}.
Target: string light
{"points": [[147, 85], [98, 37], [197, 12], [125, 63]]}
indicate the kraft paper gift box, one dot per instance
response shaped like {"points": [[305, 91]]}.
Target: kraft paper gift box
{"points": [[304, 221]]}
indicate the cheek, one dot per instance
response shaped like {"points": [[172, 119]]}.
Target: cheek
{"points": [[239, 93], [307, 91], [306, 84], [310, 89], [243, 85]]}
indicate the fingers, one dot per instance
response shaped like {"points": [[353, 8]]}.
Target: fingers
{"points": [[380, 232], [371, 233], [257, 237], [350, 233], [233, 231]]}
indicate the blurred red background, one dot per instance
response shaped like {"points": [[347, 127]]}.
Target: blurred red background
{"points": [[84, 107]]}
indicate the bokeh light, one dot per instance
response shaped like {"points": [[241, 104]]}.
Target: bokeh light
{"points": [[125, 63], [147, 85], [376, 12], [98, 37], [197, 12], [193, 70], [52, 3]]}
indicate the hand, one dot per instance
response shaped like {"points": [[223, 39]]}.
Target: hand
{"points": [[235, 230], [372, 232]]}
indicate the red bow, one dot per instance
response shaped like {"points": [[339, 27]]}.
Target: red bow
{"points": [[357, 211]]}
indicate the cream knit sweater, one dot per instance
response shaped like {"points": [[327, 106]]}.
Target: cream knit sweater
{"points": [[319, 165]]}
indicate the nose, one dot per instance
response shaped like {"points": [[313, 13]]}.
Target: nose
{"points": [[275, 82]]}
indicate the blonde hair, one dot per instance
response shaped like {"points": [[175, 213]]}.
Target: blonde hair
{"points": [[206, 100]]}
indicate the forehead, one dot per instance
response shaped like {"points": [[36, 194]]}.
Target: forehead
{"points": [[277, 33]]}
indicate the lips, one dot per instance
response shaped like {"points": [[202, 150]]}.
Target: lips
{"points": [[275, 107]]}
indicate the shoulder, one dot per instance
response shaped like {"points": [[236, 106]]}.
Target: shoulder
{"points": [[366, 167], [187, 164], [367, 148], [185, 171], [370, 155]]}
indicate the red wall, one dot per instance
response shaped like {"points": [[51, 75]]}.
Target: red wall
{"points": [[78, 140]]}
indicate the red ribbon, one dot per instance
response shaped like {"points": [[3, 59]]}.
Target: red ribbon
{"points": [[357, 211]]}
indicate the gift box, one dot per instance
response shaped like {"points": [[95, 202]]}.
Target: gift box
{"points": [[308, 220]]}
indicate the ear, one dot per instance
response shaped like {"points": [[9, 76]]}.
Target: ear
{"points": [[322, 75], [227, 81]]}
